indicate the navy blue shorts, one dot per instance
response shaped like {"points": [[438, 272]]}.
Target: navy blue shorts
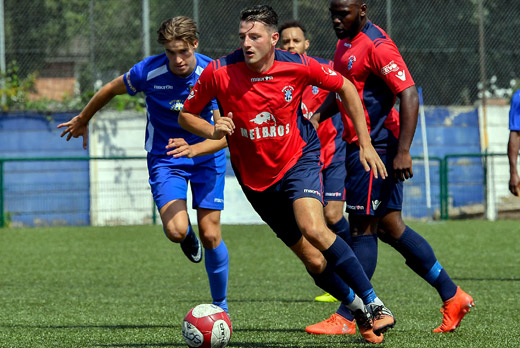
{"points": [[367, 195], [169, 181], [334, 181], [275, 204]]}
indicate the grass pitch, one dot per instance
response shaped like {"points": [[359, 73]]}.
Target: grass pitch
{"points": [[131, 287]]}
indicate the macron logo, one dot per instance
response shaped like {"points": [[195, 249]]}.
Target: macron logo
{"points": [[375, 204], [401, 75]]}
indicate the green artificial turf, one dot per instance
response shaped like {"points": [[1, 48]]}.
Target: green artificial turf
{"points": [[128, 286]]}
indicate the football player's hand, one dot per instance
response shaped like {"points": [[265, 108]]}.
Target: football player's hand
{"points": [[224, 126], [180, 148], [514, 185], [403, 166], [315, 120], [75, 128], [370, 160]]}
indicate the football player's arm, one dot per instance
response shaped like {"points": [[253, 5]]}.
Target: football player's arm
{"points": [[326, 110], [367, 154], [408, 114], [193, 123], [181, 148], [78, 125], [513, 147]]}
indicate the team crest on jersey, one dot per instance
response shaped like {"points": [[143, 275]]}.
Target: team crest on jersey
{"points": [[315, 90], [288, 91], [351, 61], [176, 105]]}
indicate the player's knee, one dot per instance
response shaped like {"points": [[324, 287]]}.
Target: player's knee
{"points": [[312, 232], [174, 233], [332, 217], [384, 236], [210, 239]]}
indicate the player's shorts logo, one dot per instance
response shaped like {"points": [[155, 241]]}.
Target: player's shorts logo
{"points": [[375, 204], [315, 90]]}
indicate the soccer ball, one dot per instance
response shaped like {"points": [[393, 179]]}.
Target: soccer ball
{"points": [[206, 326]]}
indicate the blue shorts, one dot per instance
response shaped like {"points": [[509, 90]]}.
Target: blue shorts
{"points": [[275, 204], [334, 181], [169, 181], [367, 195]]}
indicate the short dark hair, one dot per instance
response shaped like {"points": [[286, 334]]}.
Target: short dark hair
{"points": [[260, 13], [293, 23]]}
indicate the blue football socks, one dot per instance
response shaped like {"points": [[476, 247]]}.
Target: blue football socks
{"points": [[365, 248], [420, 257], [217, 267], [329, 281], [342, 229], [346, 265]]}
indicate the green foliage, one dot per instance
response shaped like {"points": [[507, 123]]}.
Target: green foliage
{"points": [[128, 286], [15, 95], [14, 91]]}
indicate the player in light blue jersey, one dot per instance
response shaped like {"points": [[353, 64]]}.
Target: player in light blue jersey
{"points": [[166, 81]]}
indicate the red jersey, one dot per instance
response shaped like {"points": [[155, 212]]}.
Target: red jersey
{"points": [[372, 62], [271, 133], [330, 130]]}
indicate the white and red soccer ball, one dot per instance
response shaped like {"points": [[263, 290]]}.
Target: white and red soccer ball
{"points": [[207, 326]]}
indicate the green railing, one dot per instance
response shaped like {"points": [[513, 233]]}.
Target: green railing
{"points": [[445, 184]]}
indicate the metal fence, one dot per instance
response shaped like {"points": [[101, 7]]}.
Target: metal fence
{"points": [[73, 191], [454, 49]]}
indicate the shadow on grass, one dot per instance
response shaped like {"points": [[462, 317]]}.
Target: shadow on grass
{"points": [[357, 342], [111, 327], [489, 279]]}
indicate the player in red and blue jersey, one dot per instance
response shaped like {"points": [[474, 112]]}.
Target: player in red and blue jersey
{"points": [[166, 80], [370, 59], [513, 145], [275, 153], [293, 39]]}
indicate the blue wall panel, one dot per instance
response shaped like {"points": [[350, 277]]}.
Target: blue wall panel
{"points": [[40, 193]]}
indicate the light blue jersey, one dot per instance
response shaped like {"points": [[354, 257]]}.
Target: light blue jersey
{"points": [[165, 95]]}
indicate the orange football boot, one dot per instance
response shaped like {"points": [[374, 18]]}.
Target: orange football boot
{"points": [[335, 325], [454, 310], [382, 318], [364, 323]]}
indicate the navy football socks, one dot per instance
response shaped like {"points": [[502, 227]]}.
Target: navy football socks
{"points": [[347, 266], [342, 229], [421, 259], [365, 248]]}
